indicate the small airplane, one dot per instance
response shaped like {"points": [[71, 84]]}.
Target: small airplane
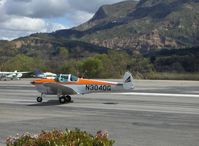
{"points": [[67, 84], [46, 75], [11, 75]]}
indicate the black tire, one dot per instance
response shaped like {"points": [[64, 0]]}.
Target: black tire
{"points": [[39, 99], [62, 100], [68, 98]]}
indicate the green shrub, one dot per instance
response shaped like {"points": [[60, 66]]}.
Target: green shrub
{"points": [[61, 138]]}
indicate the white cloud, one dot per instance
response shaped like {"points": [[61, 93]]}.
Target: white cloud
{"points": [[6, 34], [52, 8], [23, 24], [9, 34], [78, 17], [23, 17], [36, 8], [90, 5], [3, 16], [13, 26], [50, 27]]}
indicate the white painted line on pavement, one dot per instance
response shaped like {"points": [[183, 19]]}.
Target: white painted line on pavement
{"points": [[158, 94]]}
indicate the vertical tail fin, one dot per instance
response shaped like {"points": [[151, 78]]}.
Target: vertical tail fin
{"points": [[128, 81], [37, 72]]}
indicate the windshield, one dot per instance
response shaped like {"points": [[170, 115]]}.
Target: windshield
{"points": [[73, 78], [62, 78], [66, 78]]}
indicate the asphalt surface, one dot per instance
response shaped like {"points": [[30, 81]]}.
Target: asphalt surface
{"points": [[156, 113]]}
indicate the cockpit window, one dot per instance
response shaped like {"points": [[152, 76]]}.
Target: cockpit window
{"points": [[62, 78], [65, 78], [73, 78]]}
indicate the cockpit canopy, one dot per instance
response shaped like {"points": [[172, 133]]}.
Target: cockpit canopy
{"points": [[66, 78]]}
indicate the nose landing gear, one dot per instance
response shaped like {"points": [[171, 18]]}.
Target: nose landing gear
{"points": [[39, 99]]}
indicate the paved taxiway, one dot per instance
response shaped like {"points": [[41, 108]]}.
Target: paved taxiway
{"points": [[156, 113]]}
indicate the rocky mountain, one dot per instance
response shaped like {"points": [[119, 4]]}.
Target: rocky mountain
{"points": [[47, 47], [140, 26]]}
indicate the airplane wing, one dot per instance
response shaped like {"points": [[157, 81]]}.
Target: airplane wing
{"points": [[4, 73], [63, 89], [23, 72]]}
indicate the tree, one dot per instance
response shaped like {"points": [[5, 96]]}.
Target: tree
{"points": [[22, 63], [63, 53], [70, 67], [91, 67], [119, 61], [140, 66]]}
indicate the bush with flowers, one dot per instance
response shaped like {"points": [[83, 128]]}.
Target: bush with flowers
{"points": [[61, 138]]}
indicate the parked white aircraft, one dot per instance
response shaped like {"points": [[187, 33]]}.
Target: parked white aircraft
{"points": [[11, 75], [45, 75]]}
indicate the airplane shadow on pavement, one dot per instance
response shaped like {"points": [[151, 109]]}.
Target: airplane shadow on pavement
{"points": [[49, 103]]}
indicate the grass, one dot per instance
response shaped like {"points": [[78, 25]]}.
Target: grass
{"points": [[172, 76]]}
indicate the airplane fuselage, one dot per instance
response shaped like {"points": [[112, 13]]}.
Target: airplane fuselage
{"points": [[66, 84], [82, 86]]}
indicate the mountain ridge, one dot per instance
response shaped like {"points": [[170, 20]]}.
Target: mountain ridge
{"points": [[141, 26], [151, 24]]}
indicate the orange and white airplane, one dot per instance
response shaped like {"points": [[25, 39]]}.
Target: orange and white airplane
{"points": [[66, 84]]}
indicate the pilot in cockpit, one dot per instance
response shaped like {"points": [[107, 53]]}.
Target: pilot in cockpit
{"points": [[66, 78]]}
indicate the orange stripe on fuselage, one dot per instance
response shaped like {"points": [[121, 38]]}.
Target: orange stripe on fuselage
{"points": [[79, 82], [89, 82], [41, 81]]}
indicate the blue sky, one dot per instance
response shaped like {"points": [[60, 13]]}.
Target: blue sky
{"points": [[23, 17]]}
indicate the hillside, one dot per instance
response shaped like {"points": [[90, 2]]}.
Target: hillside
{"points": [[136, 26], [47, 47], [142, 26], [145, 29]]}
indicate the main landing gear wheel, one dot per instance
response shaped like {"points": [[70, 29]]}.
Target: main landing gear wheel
{"points": [[68, 98], [64, 99], [39, 99]]}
